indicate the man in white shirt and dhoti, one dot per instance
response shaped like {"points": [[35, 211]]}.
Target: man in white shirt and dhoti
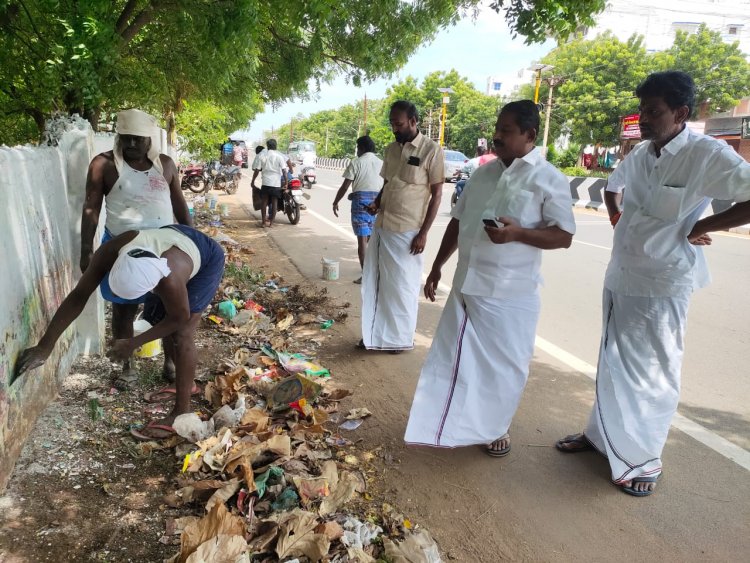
{"points": [[476, 370], [657, 262], [413, 170]]}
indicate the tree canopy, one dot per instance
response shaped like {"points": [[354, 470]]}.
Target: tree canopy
{"points": [[471, 115], [600, 76], [96, 57]]}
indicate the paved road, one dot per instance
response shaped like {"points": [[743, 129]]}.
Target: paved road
{"points": [[715, 390], [530, 502]]}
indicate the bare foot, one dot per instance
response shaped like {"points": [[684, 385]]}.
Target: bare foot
{"points": [[640, 486], [500, 447]]}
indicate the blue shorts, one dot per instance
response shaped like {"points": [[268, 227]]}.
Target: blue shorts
{"points": [[362, 221], [202, 286], [106, 291]]}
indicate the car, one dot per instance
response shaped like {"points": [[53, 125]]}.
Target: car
{"points": [[454, 162], [299, 150]]}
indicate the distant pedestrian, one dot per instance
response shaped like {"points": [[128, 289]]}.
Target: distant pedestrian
{"points": [[476, 370], [363, 175], [657, 262], [227, 150], [414, 171], [272, 167]]}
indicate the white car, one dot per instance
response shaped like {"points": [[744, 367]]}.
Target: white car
{"points": [[454, 161]]}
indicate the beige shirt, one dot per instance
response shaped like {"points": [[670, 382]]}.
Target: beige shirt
{"points": [[409, 170], [364, 172]]}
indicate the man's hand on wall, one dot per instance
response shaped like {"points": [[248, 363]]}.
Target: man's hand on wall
{"points": [[29, 359]]}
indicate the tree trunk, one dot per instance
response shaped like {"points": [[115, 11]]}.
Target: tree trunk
{"points": [[171, 132]]}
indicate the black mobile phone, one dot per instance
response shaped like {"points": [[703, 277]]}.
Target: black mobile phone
{"points": [[491, 223]]}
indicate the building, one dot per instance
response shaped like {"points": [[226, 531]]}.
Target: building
{"points": [[494, 86], [658, 22], [734, 127]]}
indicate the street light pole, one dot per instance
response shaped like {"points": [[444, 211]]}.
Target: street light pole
{"points": [[539, 68], [444, 113], [552, 81]]}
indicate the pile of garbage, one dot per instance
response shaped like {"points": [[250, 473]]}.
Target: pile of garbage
{"points": [[268, 465]]}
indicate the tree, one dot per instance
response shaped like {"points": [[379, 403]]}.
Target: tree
{"points": [[600, 78], [541, 19], [94, 56], [720, 70]]}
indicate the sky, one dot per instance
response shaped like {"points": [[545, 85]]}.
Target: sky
{"points": [[476, 48]]}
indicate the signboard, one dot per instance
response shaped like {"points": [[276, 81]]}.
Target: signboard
{"points": [[745, 130], [630, 129], [482, 143]]}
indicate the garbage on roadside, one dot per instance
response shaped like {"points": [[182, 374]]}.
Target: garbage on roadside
{"points": [[264, 465]]}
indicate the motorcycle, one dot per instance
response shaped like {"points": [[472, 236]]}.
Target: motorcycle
{"points": [[308, 176], [222, 177], [460, 178], [290, 202], [193, 178]]}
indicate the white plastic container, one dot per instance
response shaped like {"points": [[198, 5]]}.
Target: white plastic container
{"points": [[149, 349], [330, 269]]}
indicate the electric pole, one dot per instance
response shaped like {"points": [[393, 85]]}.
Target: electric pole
{"points": [[429, 125], [326, 141], [291, 131], [552, 81]]}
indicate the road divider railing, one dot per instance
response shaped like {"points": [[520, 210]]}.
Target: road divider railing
{"points": [[332, 163]]}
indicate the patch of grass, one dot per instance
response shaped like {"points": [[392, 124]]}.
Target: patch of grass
{"points": [[243, 275], [149, 371]]}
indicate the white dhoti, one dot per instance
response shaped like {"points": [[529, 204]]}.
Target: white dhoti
{"points": [[391, 280], [637, 381], [476, 371]]}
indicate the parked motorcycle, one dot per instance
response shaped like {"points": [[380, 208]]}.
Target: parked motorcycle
{"points": [[223, 177], [290, 202], [308, 176], [193, 178]]}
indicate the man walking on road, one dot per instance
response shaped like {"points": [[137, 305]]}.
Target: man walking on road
{"points": [[272, 166], [413, 170], [363, 174], [657, 261], [478, 364], [140, 189]]}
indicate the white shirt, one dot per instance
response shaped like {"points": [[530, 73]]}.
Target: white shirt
{"points": [[665, 197], [271, 167], [258, 160], [308, 160], [365, 173], [531, 191], [138, 200]]}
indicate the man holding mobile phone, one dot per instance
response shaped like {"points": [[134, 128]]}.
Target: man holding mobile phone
{"points": [[475, 372]]}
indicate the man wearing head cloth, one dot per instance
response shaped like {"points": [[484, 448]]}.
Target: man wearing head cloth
{"points": [[140, 189], [177, 269]]}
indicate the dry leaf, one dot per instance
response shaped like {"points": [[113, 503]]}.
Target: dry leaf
{"points": [[286, 322], [221, 549], [279, 444], [355, 414], [297, 537], [359, 555], [217, 521], [338, 394], [223, 494], [255, 417], [332, 530], [264, 537], [330, 472], [343, 492], [311, 489]]}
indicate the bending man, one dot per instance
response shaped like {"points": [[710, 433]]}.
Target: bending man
{"points": [[476, 370], [178, 269], [140, 189]]}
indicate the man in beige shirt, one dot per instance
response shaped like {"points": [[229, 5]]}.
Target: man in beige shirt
{"points": [[413, 170]]}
